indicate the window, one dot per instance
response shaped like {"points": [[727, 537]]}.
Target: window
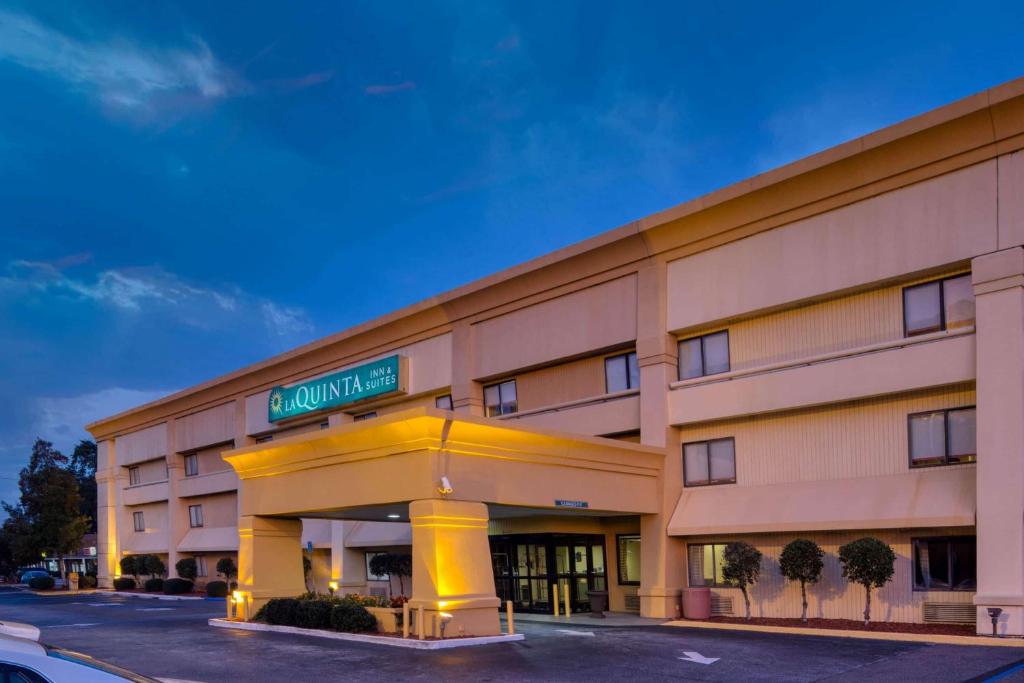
{"points": [[938, 305], [264, 439], [11, 673], [133, 476], [139, 521], [365, 416], [706, 355], [942, 437], [444, 402], [709, 462], [621, 373], [195, 516], [191, 465], [370, 576], [500, 399], [325, 425], [201, 565], [948, 564], [705, 563], [629, 559]]}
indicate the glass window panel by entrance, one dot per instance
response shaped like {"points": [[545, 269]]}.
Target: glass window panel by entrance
{"points": [[716, 353], [597, 558], [722, 460], [695, 460], [961, 426], [927, 438], [616, 374], [561, 559], [691, 363], [579, 558], [963, 552], [922, 308], [582, 595], [958, 299], [629, 559]]}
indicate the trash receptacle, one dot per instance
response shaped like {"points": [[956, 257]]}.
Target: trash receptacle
{"points": [[73, 581], [697, 603], [598, 603]]}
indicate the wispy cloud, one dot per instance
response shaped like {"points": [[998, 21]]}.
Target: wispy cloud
{"points": [[388, 88], [152, 290], [62, 419], [120, 73]]}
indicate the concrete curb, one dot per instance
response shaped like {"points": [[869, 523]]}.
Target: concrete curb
{"points": [[157, 596], [392, 641], [981, 641]]}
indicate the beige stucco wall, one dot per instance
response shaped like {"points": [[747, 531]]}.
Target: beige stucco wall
{"points": [[560, 383], [205, 428], [145, 444], [152, 471], [833, 597], [856, 439], [219, 510]]}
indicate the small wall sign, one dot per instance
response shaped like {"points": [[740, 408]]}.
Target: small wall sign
{"points": [[373, 379], [572, 504]]}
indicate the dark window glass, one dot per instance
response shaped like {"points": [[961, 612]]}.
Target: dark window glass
{"points": [[945, 563], [365, 416], [706, 355], [500, 399], [444, 402], [139, 521], [264, 439], [938, 305], [195, 516], [133, 476], [191, 465], [709, 462], [629, 560], [705, 563], [942, 437], [621, 373]]}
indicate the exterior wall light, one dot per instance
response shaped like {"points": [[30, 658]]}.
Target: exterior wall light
{"points": [[994, 613], [394, 516], [445, 618], [332, 586], [446, 487], [237, 597]]}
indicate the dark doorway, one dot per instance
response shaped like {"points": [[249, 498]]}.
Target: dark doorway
{"points": [[530, 568]]}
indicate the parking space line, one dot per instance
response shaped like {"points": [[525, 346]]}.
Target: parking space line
{"points": [[95, 623]]}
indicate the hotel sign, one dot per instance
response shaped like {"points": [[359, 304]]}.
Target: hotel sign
{"points": [[373, 379]]}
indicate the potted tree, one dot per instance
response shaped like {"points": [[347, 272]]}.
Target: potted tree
{"points": [[742, 567], [869, 562], [801, 561]]}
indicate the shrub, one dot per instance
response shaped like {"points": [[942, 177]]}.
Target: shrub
{"points": [[398, 601], [125, 583], [187, 568], [153, 566], [351, 618], [742, 567], [41, 583], [801, 561], [154, 585], [226, 568], [129, 565], [87, 581], [216, 589], [177, 586], [367, 600], [282, 611], [314, 614], [870, 563]]}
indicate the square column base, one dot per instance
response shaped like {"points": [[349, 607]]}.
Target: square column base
{"points": [[1009, 623], [660, 602], [478, 617]]}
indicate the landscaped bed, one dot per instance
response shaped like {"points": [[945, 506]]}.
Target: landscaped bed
{"points": [[850, 625]]}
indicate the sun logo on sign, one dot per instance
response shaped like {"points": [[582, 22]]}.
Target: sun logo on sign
{"points": [[276, 402]]}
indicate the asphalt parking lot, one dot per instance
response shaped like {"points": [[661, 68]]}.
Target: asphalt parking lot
{"points": [[171, 639]]}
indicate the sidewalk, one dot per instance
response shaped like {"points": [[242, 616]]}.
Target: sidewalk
{"points": [[611, 619]]}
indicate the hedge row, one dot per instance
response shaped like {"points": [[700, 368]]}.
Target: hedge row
{"points": [[320, 613], [216, 589], [41, 583], [125, 583]]}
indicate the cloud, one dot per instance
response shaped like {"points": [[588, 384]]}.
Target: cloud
{"points": [[62, 419], [388, 88], [154, 291], [121, 74]]}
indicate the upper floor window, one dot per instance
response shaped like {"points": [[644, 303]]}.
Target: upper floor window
{"points": [[938, 305], [709, 462], [705, 355], [705, 562], [947, 564], [365, 416], [444, 402], [500, 399], [133, 476], [139, 520], [942, 437], [325, 425], [195, 516], [621, 372], [264, 439], [191, 465]]}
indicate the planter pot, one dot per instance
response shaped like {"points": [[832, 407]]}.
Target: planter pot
{"points": [[389, 619]]}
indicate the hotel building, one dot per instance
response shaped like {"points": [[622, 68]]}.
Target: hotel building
{"points": [[829, 350]]}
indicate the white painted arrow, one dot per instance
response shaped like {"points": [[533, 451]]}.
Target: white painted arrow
{"points": [[698, 658], [573, 632]]}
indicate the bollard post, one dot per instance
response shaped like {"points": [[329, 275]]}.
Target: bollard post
{"points": [[420, 626], [405, 619], [510, 618], [568, 606], [555, 600]]}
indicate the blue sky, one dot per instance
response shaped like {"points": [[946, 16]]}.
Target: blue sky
{"points": [[186, 188]]}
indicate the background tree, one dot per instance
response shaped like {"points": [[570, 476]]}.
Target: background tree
{"points": [[870, 563], [742, 567], [187, 568], [392, 564], [83, 466], [49, 508], [226, 568], [801, 561]]}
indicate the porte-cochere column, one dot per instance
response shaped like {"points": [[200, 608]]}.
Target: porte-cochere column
{"points": [[269, 558]]}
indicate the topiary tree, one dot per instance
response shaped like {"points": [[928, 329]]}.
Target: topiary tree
{"points": [[392, 564], [226, 568], [801, 561], [130, 566], [153, 566], [870, 563], [186, 568], [742, 567]]}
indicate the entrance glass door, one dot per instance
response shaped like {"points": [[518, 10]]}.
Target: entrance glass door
{"points": [[533, 570]]}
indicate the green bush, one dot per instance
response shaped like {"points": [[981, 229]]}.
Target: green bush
{"points": [[314, 614], [155, 585], [152, 565], [41, 583], [350, 618], [216, 589], [177, 586], [129, 565], [187, 568], [869, 562], [801, 561], [282, 611], [125, 583], [87, 581], [741, 568]]}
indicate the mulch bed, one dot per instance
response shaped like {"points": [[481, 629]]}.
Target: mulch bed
{"points": [[852, 625]]}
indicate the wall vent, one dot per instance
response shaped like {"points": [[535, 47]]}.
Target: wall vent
{"points": [[632, 603], [948, 613], [721, 606]]}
